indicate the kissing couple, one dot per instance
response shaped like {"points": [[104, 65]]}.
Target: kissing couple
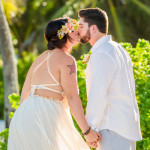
{"points": [[43, 120]]}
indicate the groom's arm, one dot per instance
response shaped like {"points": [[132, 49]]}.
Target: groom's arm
{"points": [[100, 76]]}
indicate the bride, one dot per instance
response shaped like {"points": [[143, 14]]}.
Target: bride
{"points": [[43, 120]]}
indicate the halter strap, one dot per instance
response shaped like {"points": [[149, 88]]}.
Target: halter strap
{"points": [[43, 86], [57, 83], [47, 58], [40, 64]]}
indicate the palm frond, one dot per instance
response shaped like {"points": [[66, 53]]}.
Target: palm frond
{"points": [[63, 10], [142, 6], [10, 8], [116, 21]]}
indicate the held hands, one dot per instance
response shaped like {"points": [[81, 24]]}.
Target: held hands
{"points": [[93, 138]]}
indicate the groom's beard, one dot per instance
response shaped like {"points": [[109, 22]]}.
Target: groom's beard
{"points": [[86, 38]]}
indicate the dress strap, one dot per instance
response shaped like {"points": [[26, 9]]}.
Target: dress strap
{"points": [[32, 90], [43, 87], [49, 69], [40, 64], [47, 88], [44, 84], [57, 83]]}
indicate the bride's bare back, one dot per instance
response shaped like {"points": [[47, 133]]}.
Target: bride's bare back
{"points": [[46, 71]]}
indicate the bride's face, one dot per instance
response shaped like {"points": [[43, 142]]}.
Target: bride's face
{"points": [[74, 35]]}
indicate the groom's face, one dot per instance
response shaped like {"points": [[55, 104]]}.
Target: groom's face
{"points": [[84, 31]]}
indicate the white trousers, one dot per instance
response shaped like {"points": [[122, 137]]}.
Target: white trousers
{"points": [[113, 141]]}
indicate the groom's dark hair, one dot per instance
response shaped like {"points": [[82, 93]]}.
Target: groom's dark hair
{"points": [[95, 16]]}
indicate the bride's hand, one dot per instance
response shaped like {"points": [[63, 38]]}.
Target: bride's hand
{"points": [[93, 145], [92, 138]]}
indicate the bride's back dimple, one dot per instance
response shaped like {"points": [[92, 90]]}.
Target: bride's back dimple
{"points": [[46, 73]]}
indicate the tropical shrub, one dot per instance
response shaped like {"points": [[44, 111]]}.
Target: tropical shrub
{"points": [[140, 56]]}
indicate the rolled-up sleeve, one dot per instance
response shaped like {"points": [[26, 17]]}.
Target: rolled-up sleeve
{"points": [[100, 76]]}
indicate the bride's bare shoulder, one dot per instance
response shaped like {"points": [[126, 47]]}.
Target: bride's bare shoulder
{"points": [[38, 60], [59, 58], [41, 56], [65, 58]]}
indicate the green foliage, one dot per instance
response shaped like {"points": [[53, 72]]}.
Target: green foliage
{"points": [[28, 32], [140, 56], [23, 65], [14, 99], [82, 86], [3, 139]]}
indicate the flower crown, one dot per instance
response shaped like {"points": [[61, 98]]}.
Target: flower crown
{"points": [[67, 28]]}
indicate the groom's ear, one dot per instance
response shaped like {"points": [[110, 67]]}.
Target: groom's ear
{"points": [[94, 28]]}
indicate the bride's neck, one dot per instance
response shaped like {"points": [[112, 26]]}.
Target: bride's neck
{"points": [[67, 48]]}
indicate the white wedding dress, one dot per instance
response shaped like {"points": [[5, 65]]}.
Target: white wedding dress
{"points": [[42, 123]]}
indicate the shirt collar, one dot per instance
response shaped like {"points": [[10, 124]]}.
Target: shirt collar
{"points": [[101, 41]]}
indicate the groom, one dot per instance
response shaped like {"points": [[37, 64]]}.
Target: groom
{"points": [[112, 108]]}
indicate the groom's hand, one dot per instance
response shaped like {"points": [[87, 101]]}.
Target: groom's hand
{"points": [[93, 139]]}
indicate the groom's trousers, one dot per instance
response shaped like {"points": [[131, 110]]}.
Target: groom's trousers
{"points": [[113, 141]]}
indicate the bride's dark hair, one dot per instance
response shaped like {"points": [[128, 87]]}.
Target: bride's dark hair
{"points": [[51, 34]]}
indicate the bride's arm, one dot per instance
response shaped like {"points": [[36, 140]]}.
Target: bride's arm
{"points": [[70, 87]]}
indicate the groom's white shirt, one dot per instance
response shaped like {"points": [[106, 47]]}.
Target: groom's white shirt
{"points": [[111, 96]]}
